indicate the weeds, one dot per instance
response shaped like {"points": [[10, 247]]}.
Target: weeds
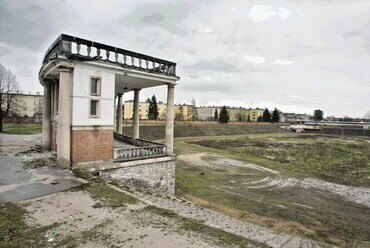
{"points": [[22, 128], [14, 231], [110, 196], [329, 158], [219, 236]]}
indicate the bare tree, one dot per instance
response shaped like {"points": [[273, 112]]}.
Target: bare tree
{"points": [[367, 115], [194, 110], [8, 85]]}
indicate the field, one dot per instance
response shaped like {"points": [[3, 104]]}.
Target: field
{"points": [[300, 184], [32, 128]]}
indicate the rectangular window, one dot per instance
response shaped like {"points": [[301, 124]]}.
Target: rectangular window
{"points": [[95, 93], [94, 108], [95, 86]]}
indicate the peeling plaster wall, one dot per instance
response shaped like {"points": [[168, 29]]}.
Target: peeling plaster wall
{"points": [[81, 96]]}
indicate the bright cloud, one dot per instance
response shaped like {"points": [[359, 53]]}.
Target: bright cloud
{"points": [[254, 59], [284, 13], [259, 13], [283, 62]]}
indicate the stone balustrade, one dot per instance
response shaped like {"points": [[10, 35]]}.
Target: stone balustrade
{"points": [[82, 49], [144, 149]]}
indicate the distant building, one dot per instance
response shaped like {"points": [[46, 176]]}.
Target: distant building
{"points": [[184, 112], [292, 117], [255, 113], [144, 110], [26, 105], [238, 114], [207, 113]]}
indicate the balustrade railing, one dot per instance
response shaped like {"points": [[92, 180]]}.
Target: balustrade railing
{"points": [[78, 48], [144, 149]]}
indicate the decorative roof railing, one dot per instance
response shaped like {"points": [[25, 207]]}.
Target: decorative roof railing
{"points": [[82, 49]]}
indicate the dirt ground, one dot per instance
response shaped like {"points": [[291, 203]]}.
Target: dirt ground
{"points": [[85, 222], [82, 217], [261, 177], [286, 201], [75, 218]]}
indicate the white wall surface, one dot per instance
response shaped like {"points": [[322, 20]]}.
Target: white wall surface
{"points": [[81, 96]]}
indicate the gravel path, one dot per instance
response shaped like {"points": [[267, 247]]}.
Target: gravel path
{"points": [[224, 222]]}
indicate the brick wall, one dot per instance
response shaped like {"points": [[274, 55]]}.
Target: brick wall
{"points": [[91, 145]]}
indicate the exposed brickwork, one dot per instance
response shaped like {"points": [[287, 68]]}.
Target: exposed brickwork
{"points": [[91, 145]]}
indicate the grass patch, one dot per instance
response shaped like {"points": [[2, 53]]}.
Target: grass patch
{"points": [[217, 235], [101, 191], [14, 231], [109, 196], [82, 174], [158, 132], [339, 160], [32, 128], [97, 232]]}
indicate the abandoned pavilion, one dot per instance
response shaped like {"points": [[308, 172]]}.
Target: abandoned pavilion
{"points": [[83, 84]]}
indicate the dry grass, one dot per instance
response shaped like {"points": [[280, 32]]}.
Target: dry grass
{"points": [[327, 218]]}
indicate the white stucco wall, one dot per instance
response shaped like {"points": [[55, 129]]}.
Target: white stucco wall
{"points": [[81, 96]]}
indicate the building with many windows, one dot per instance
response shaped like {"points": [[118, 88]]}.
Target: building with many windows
{"points": [[255, 113], [184, 112], [26, 105], [207, 113], [128, 110]]}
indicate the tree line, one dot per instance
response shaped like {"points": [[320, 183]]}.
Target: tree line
{"points": [[8, 86]]}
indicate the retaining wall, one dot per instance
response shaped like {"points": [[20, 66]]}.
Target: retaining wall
{"points": [[155, 174]]}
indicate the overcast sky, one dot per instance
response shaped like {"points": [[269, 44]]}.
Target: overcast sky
{"points": [[296, 55]]}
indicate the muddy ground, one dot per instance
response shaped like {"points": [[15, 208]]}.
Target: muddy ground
{"points": [[290, 201]]}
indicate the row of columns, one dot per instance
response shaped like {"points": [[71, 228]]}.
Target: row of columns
{"points": [[169, 116], [61, 106]]}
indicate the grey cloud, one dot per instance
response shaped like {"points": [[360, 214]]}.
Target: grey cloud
{"points": [[218, 66], [350, 34], [300, 50], [166, 15], [4, 51], [201, 87], [24, 24], [23, 72], [154, 18]]}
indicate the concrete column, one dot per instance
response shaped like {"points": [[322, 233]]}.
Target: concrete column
{"points": [[64, 118], [51, 101], [115, 114], [135, 130], [119, 114], [55, 105], [170, 118], [46, 118]]}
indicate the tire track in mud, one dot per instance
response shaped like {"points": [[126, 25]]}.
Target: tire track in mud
{"points": [[273, 178], [270, 177]]}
